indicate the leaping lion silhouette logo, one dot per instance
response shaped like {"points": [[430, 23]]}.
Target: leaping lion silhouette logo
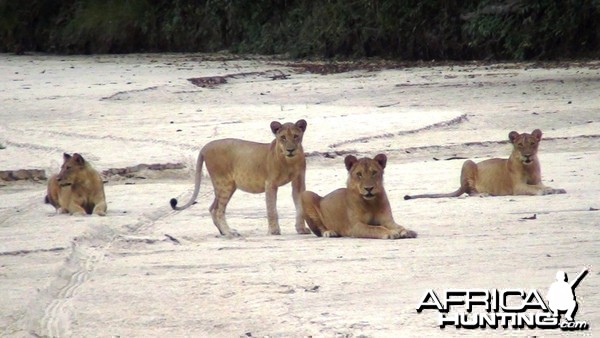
{"points": [[561, 295]]}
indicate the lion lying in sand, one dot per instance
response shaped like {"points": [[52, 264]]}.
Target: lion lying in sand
{"points": [[520, 174], [77, 188], [360, 210]]}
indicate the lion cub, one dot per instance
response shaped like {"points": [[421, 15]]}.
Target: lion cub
{"points": [[255, 168], [360, 210], [77, 188], [520, 174]]}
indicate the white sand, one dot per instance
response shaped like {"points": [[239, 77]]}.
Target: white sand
{"points": [[120, 275]]}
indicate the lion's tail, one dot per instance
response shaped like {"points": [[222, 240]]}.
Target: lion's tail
{"points": [[196, 187], [312, 226], [456, 193], [51, 201]]}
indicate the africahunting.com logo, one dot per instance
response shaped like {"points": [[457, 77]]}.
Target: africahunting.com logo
{"points": [[508, 308]]}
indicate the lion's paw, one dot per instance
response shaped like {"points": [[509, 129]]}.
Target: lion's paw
{"points": [[408, 234], [552, 191], [303, 231], [275, 231], [392, 234], [329, 233], [233, 234]]}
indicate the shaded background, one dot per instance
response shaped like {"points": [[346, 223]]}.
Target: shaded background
{"points": [[408, 30]]}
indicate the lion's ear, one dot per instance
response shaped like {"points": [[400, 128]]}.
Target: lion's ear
{"points": [[349, 161], [537, 134], [78, 159], [66, 156], [381, 159], [275, 126], [301, 124], [512, 136]]}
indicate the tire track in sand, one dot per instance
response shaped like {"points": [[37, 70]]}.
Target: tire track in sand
{"points": [[49, 315], [77, 270]]}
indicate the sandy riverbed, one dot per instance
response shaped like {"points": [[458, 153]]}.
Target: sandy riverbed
{"points": [[120, 275]]}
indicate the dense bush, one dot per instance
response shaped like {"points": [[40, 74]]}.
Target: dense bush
{"points": [[410, 30], [535, 29]]}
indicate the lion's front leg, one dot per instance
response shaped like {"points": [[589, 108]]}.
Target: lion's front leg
{"points": [[402, 231], [527, 189], [363, 230], [298, 186], [100, 205], [271, 199], [551, 191], [76, 208], [386, 220], [100, 209], [311, 212], [537, 189]]}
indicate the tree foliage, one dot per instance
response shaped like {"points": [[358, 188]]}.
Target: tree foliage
{"points": [[410, 30]]}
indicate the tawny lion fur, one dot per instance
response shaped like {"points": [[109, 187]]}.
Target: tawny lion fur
{"points": [[77, 188], [362, 209], [520, 174], [255, 168]]}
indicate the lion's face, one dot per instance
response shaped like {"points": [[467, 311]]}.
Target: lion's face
{"points": [[365, 176], [289, 137], [526, 145], [69, 169]]}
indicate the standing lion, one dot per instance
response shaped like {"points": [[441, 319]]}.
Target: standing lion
{"points": [[255, 168]]}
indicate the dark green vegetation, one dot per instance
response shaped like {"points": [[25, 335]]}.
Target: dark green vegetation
{"points": [[409, 30]]}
